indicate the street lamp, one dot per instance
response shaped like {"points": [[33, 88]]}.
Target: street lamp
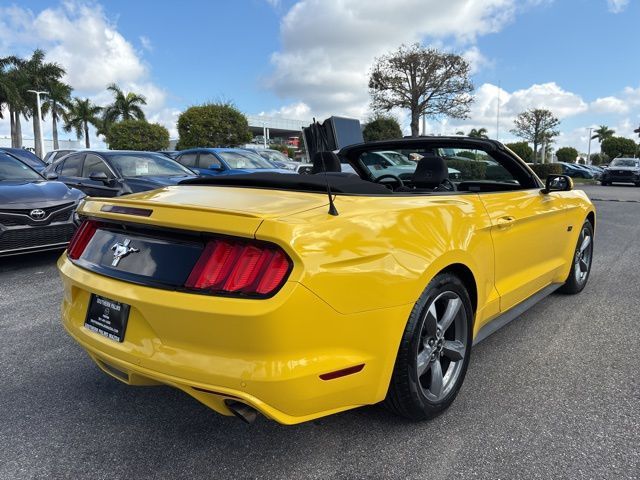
{"points": [[39, 117], [588, 160]]}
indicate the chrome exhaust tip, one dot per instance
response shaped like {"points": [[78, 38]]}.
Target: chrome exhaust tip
{"points": [[241, 410]]}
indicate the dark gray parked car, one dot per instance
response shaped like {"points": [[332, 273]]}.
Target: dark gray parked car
{"points": [[35, 214], [622, 170], [116, 172]]}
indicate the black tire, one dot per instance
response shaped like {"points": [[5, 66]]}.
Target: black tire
{"points": [[407, 395], [604, 184], [578, 277]]}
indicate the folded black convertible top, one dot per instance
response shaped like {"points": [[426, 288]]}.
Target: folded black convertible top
{"points": [[304, 183]]}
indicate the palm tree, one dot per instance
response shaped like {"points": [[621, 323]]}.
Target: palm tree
{"points": [[12, 85], [637, 130], [478, 133], [81, 113], [125, 106], [18, 106], [602, 133], [59, 101], [39, 75]]}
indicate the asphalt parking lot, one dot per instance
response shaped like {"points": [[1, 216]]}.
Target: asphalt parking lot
{"points": [[555, 394]]}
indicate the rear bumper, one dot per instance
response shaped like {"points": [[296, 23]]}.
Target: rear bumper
{"points": [[266, 353]]}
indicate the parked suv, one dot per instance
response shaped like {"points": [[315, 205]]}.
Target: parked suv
{"points": [[622, 170]]}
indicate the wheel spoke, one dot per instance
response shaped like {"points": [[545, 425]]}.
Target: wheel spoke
{"points": [[585, 243], [583, 266], [436, 378], [453, 350], [453, 307], [431, 321], [423, 361]]}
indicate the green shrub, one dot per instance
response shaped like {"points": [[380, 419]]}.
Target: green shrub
{"points": [[469, 170], [567, 154], [381, 127], [522, 149], [137, 135], [619, 147], [543, 170], [212, 125]]}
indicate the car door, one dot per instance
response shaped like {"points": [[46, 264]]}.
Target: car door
{"points": [[93, 164], [70, 170], [189, 160], [529, 232]]}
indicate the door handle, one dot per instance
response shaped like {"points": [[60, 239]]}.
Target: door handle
{"points": [[505, 222]]}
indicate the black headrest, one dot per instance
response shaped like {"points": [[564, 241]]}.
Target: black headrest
{"points": [[331, 162], [430, 172]]}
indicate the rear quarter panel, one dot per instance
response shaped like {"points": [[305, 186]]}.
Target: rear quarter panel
{"points": [[381, 252]]}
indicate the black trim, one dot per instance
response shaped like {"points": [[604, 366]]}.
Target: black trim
{"points": [[141, 212], [514, 312]]}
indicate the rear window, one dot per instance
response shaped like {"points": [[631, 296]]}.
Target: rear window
{"points": [[150, 164]]}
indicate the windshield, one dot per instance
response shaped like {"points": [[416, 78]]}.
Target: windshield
{"points": [[625, 162], [146, 164], [244, 160], [12, 170], [27, 157], [273, 155]]}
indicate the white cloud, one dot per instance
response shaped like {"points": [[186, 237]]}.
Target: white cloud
{"points": [[328, 46], [617, 6], [79, 36], [484, 111], [146, 43], [609, 105], [295, 111]]}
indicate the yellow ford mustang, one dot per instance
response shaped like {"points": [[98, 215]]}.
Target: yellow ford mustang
{"points": [[298, 296]]}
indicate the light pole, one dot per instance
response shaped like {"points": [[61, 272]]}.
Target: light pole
{"points": [[588, 160], [39, 118]]}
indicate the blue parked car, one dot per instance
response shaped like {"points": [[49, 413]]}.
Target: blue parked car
{"points": [[225, 161]]}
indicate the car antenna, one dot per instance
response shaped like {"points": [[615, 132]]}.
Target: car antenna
{"points": [[320, 149]]}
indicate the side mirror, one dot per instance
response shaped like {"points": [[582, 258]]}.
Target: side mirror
{"points": [[51, 176], [558, 183], [215, 166], [99, 177]]}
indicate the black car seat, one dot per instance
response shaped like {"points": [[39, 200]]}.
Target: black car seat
{"points": [[432, 173]]}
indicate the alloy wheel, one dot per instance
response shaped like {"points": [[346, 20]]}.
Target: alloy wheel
{"points": [[582, 259], [442, 348]]}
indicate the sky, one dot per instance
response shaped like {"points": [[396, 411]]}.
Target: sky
{"points": [[311, 58]]}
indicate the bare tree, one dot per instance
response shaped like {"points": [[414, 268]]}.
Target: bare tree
{"points": [[422, 80], [536, 126]]}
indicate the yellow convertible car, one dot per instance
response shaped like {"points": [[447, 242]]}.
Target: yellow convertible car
{"points": [[299, 296]]}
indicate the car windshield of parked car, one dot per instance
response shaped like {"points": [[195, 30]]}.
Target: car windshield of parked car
{"points": [[244, 160], [14, 170], [27, 157], [274, 155], [624, 162], [147, 164]]}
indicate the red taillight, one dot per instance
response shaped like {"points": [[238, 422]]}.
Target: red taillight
{"points": [[81, 238], [239, 267]]}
